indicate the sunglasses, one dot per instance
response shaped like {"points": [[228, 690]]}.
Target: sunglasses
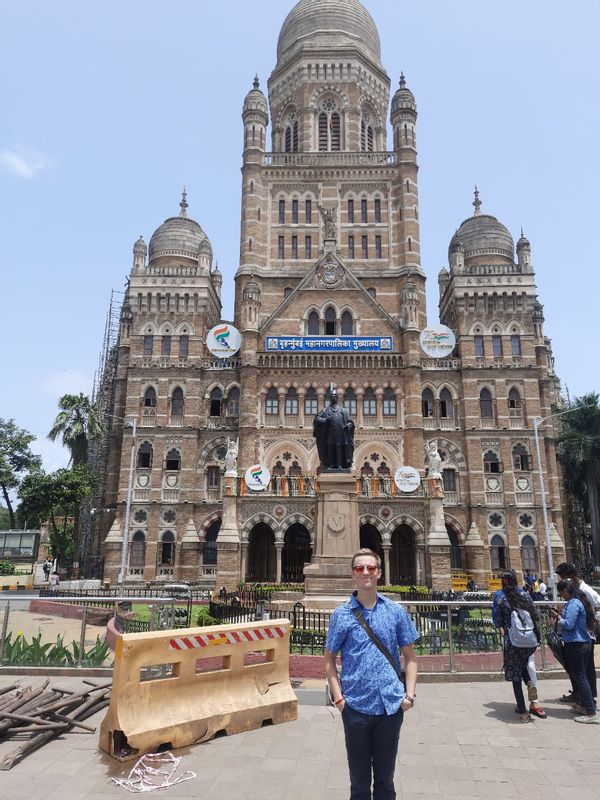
{"points": [[369, 568]]}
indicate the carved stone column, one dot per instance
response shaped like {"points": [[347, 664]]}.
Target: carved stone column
{"points": [[438, 542], [278, 561], [386, 547]]}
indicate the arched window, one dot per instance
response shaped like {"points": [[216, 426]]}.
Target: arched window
{"points": [[449, 480], [369, 403], [456, 561], [166, 550], [486, 406], [173, 460], [213, 479], [330, 322], [145, 456], [350, 401], [291, 402], [366, 470], [529, 558], [150, 397], [295, 470], [427, 403], [389, 402], [291, 137], [137, 552], [329, 129], [446, 409], [347, 324], [514, 399], [165, 345], [177, 402], [311, 403], [313, 327], [278, 470], [515, 344], [521, 458], [148, 344], [216, 401], [233, 402], [498, 553], [491, 462], [366, 134], [272, 402], [383, 470]]}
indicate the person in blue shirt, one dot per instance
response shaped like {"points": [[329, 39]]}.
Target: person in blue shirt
{"points": [[370, 695], [575, 622]]}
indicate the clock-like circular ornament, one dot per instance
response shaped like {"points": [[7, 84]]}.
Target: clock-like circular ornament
{"points": [[330, 275]]}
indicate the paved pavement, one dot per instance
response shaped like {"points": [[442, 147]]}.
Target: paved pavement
{"points": [[460, 742], [31, 624]]}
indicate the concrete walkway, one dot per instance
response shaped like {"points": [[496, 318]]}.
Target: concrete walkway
{"points": [[31, 624], [461, 741]]}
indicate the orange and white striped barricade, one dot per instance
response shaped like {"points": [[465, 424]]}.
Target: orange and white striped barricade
{"points": [[175, 688]]}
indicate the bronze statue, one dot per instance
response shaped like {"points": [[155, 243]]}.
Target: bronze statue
{"points": [[334, 431]]}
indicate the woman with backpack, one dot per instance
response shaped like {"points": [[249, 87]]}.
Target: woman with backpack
{"points": [[575, 623], [518, 621]]}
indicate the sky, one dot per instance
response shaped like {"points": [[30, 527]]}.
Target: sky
{"points": [[108, 109]]}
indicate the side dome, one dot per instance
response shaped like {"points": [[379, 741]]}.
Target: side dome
{"points": [[328, 25], [255, 100], [482, 236], [403, 98], [179, 236]]}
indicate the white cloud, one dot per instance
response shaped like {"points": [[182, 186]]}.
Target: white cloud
{"points": [[23, 161]]}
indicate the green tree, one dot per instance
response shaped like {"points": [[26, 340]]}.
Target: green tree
{"points": [[579, 451], [4, 519], [77, 424], [16, 460], [56, 497]]}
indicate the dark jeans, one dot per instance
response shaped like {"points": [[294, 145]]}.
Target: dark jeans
{"points": [[371, 745], [577, 655], [591, 676]]}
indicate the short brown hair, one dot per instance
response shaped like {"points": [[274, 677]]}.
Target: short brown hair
{"points": [[364, 551]]}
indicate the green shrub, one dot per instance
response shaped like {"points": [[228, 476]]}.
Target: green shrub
{"points": [[403, 589], [204, 618], [6, 568]]}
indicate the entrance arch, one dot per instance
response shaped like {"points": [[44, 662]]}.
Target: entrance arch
{"points": [[261, 554], [456, 553], [209, 553], [403, 556], [297, 552], [370, 537]]}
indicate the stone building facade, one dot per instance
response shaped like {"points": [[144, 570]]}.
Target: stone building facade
{"points": [[330, 289]]}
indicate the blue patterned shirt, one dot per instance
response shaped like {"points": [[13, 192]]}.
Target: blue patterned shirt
{"points": [[369, 684]]}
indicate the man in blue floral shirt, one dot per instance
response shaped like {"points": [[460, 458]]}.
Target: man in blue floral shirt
{"points": [[370, 696]]}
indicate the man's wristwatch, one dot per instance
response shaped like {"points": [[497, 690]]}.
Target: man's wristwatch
{"points": [[411, 700]]}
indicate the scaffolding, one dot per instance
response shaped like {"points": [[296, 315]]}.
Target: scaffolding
{"points": [[93, 511]]}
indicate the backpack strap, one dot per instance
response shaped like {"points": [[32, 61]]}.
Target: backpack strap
{"points": [[376, 641]]}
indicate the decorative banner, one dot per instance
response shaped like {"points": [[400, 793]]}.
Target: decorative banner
{"points": [[437, 342], [331, 344], [407, 479], [224, 340], [257, 477]]}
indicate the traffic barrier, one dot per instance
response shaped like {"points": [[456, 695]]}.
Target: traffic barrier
{"points": [[180, 687]]}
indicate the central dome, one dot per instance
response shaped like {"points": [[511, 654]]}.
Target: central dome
{"points": [[328, 25]]}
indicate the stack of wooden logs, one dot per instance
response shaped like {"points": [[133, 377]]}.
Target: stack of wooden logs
{"points": [[39, 715]]}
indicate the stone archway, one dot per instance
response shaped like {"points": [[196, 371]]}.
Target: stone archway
{"points": [[370, 537], [297, 552], [261, 562], [456, 551], [403, 556]]}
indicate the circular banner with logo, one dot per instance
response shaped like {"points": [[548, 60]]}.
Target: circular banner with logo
{"points": [[224, 340], [438, 341], [257, 477], [407, 479]]}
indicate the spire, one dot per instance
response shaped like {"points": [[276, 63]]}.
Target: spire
{"points": [[184, 204], [256, 82], [477, 203], [402, 80]]}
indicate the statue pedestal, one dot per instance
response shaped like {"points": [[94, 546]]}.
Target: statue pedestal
{"points": [[438, 541], [337, 536]]}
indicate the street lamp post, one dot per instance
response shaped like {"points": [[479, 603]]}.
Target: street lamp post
{"points": [[536, 424], [121, 577]]}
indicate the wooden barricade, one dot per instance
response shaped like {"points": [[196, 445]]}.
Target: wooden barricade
{"points": [[175, 688]]}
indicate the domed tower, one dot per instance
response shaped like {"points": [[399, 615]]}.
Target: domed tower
{"points": [[329, 90], [140, 251]]}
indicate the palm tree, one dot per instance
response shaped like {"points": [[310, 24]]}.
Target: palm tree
{"points": [[579, 451], [76, 424]]}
